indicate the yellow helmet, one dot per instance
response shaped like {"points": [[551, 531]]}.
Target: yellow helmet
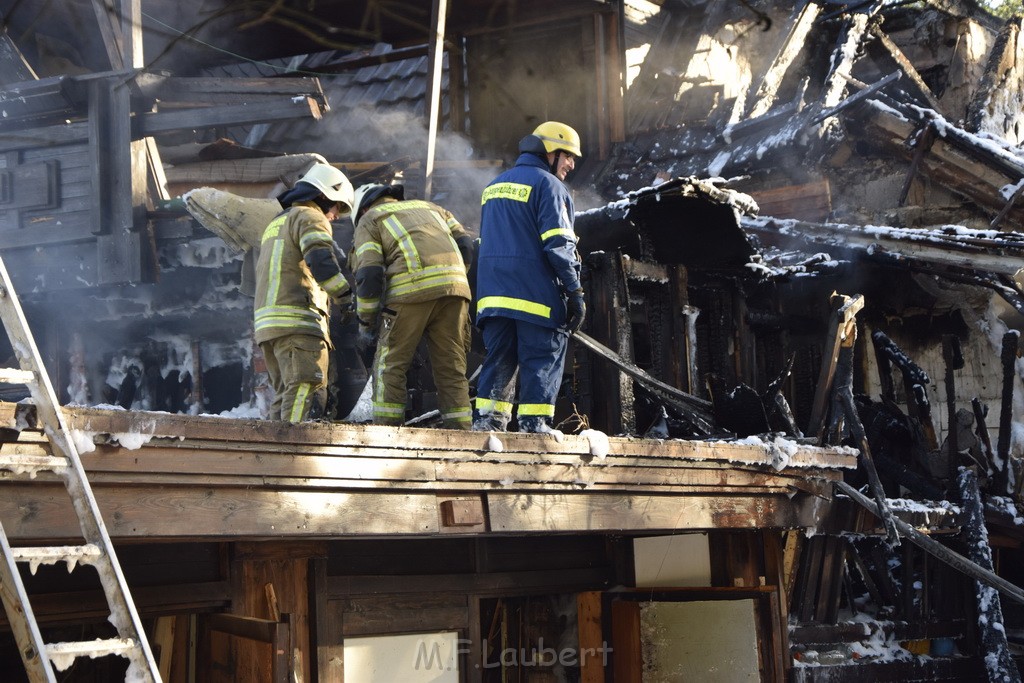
{"points": [[556, 136], [332, 183]]}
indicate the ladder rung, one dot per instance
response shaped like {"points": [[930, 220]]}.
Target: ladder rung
{"points": [[63, 654], [32, 464], [14, 376], [72, 554]]}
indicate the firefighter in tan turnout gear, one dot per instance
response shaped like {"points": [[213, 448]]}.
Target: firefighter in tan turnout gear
{"points": [[298, 275], [410, 260]]}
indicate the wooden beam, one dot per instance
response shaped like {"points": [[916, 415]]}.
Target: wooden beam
{"points": [[573, 512], [792, 45], [155, 123], [906, 66], [43, 511]]}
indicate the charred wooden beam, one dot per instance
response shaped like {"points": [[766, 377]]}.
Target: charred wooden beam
{"points": [[954, 360], [922, 143], [998, 661], [842, 325], [844, 394], [960, 161], [981, 429], [954, 559], [791, 46], [1008, 356], [906, 66], [915, 382], [983, 251], [860, 96]]}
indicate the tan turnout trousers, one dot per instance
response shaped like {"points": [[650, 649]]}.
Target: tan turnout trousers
{"points": [[445, 323]]}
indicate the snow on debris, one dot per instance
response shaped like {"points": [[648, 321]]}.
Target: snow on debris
{"points": [[598, 441]]}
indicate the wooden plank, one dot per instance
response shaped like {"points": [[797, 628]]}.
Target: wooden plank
{"points": [[326, 638], [590, 636], [382, 614], [155, 123], [607, 512], [274, 435], [43, 511], [811, 201], [627, 644], [223, 467]]}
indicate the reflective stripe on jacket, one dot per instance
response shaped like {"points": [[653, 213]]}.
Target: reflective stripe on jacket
{"points": [[288, 299], [527, 259], [414, 242]]}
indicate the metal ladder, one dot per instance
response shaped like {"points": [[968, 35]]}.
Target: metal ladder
{"points": [[41, 658]]}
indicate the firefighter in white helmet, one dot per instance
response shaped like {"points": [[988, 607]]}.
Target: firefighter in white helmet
{"points": [[410, 258], [298, 275]]}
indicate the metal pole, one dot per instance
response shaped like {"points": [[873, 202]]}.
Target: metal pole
{"points": [[435, 68]]}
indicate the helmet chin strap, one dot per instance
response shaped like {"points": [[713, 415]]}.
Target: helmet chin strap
{"points": [[553, 166]]}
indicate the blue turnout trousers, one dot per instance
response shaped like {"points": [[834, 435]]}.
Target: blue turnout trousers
{"points": [[538, 353]]}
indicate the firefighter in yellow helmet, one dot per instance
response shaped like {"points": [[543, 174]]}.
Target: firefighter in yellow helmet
{"points": [[529, 296], [410, 259], [298, 275]]}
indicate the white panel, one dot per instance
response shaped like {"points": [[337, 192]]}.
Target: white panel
{"points": [[414, 658], [713, 641], [682, 560]]}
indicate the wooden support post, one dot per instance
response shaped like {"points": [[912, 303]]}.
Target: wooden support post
{"points": [[915, 383], [613, 410], [954, 359], [981, 429], [1008, 355], [591, 637], [841, 324]]}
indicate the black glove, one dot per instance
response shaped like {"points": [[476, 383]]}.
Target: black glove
{"points": [[577, 311], [366, 337]]}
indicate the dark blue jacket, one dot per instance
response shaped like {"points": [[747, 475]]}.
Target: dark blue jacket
{"points": [[527, 258]]}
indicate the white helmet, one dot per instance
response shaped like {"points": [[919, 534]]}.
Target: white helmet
{"points": [[368, 194], [332, 183]]}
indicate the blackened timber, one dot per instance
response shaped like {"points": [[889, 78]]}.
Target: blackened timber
{"points": [[692, 407], [915, 382], [998, 661], [860, 96], [841, 324], [13, 66], [954, 359], [981, 429], [844, 391], [906, 66], [210, 90], [1008, 356], [791, 46], [978, 251], [612, 390], [954, 559]]}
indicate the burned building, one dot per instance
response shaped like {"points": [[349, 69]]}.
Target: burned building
{"points": [[791, 447]]}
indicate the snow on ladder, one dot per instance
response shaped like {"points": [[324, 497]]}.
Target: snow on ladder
{"points": [[41, 659]]}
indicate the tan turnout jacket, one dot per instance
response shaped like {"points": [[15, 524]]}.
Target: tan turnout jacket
{"points": [[288, 299], [414, 241]]}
